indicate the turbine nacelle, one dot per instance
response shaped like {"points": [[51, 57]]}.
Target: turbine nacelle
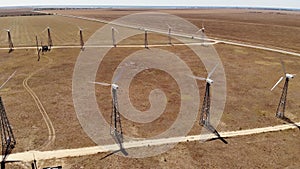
{"points": [[202, 29], [289, 76], [209, 81], [115, 86]]}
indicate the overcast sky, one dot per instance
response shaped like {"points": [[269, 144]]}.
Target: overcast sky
{"points": [[235, 3]]}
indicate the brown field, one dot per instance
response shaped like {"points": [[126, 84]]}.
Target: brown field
{"points": [[270, 28], [64, 31], [18, 12], [250, 73]]}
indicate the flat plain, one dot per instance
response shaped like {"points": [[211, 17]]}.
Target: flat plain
{"points": [[250, 73]]}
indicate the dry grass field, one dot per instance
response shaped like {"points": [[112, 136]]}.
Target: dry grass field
{"points": [[271, 28], [250, 74], [18, 12], [64, 31]]}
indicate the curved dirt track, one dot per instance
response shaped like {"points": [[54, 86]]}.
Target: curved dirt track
{"points": [[41, 108]]}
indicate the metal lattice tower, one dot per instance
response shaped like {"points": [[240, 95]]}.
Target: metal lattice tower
{"points": [[169, 35], [202, 36], [282, 102], [7, 136], [113, 37], [37, 43], [281, 106], [116, 127], [205, 113], [50, 44], [81, 39], [38, 49], [146, 39], [10, 42]]}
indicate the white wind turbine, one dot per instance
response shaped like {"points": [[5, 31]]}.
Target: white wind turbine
{"points": [[10, 42], [116, 127], [282, 103], [113, 30], [169, 34], [205, 113], [81, 37]]}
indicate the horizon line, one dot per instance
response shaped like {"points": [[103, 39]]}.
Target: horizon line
{"points": [[145, 6]]}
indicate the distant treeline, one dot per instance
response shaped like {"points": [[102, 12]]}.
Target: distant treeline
{"points": [[48, 9], [20, 13]]}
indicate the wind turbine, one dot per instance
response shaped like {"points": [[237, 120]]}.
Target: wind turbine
{"points": [[113, 30], [37, 43], [146, 38], [205, 113], [50, 43], [169, 34], [37, 48], [81, 38], [282, 102], [10, 42], [202, 30], [116, 127]]}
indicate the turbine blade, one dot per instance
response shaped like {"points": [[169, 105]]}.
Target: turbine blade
{"points": [[277, 83], [282, 64], [118, 76], [8, 79], [116, 30], [44, 30], [213, 70], [101, 83], [196, 77]]}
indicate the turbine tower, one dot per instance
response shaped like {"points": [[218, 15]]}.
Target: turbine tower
{"points": [[146, 39], [202, 33], [50, 44], [37, 48], [205, 112], [37, 43], [169, 34], [10, 42], [115, 125], [81, 38], [113, 30], [282, 102], [202, 30], [7, 136]]}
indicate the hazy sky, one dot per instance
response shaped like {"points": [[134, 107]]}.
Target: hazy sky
{"points": [[240, 3]]}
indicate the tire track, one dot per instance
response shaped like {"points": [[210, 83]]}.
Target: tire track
{"points": [[51, 130]]}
